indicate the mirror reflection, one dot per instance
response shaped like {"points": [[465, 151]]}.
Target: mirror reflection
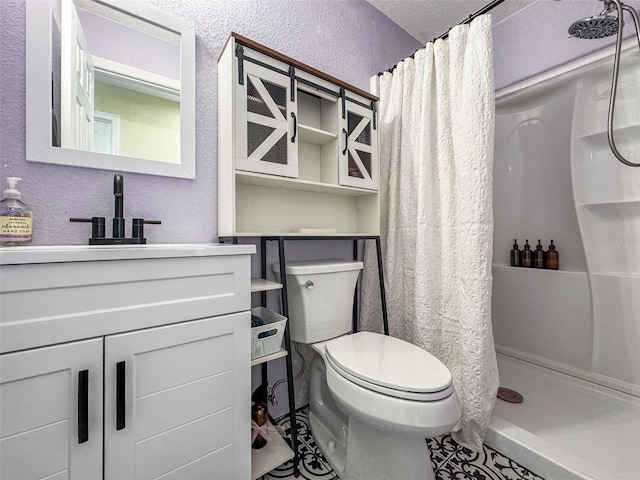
{"points": [[116, 83]]}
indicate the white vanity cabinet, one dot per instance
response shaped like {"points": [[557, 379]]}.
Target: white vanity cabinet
{"points": [[297, 148], [41, 403], [125, 363]]}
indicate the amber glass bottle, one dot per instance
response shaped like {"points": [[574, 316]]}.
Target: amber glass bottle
{"points": [[552, 257], [515, 254], [527, 255], [260, 415], [538, 256]]}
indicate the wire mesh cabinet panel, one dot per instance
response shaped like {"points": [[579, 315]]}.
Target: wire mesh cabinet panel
{"points": [[359, 152], [266, 123]]}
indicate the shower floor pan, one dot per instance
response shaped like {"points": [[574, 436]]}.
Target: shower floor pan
{"points": [[566, 428]]}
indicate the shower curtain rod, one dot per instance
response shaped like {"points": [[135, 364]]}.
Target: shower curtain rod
{"points": [[487, 8]]}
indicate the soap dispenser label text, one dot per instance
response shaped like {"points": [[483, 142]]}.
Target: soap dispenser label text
{"points": [[15, 226]]}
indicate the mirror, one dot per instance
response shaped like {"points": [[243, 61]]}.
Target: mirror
{"points": [[110, 85]]}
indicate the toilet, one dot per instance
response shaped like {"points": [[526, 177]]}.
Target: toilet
{"points": [[372, 398]]}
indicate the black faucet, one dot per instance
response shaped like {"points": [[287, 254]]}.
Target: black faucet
{"points": [[118, 216], [98, 223]]}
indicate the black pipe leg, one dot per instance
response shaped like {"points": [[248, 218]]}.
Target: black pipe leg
{"points": [[383, 298], [288, 359], [354, 315], [263, 295]]}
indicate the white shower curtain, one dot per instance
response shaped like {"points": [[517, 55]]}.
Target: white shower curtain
{"points": [[436, 154]]}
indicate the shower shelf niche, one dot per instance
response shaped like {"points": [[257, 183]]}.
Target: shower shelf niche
{"points": [[541, 271], [609, 203], [624, 134]]}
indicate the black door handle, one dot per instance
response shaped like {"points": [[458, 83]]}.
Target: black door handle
{"points": [[295, 127], [346, 141], [83, 406], [120, 395]]}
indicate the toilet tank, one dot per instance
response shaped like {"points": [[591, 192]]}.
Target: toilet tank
{"points": [[320, 298]]}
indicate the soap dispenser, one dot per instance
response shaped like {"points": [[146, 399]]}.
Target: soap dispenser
{"points": [[527, 255], [16, 217], [515, 254], [552, 257], [538, 256]]}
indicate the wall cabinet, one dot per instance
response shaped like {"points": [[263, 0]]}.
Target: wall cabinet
{"points": [[175, 401], [297, 149]]}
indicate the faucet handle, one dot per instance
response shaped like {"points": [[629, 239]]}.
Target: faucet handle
{"points": [[138, 227], [97, 225]]}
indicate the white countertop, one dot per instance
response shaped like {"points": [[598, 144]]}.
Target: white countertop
{"points": [[86, 253]]}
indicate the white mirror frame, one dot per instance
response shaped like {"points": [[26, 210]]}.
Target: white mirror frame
{"points": [[39, 96]]}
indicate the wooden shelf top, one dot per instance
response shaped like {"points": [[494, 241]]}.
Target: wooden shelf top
{"points": [[295, 63]]}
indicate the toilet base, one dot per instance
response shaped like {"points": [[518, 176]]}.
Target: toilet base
{"points": [[374, 455], [356, 450]]}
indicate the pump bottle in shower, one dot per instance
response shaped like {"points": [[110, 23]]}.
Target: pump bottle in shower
{"points": [[527, 255], [515, 254], [538, 256], [552, 257]]}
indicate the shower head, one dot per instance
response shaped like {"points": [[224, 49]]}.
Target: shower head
{"points": [[599, 26]]}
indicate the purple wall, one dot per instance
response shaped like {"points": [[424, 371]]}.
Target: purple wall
{"points": [[536, 40], [348, 39]]}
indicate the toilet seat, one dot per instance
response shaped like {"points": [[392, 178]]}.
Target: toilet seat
{"points": [[389, 366]]}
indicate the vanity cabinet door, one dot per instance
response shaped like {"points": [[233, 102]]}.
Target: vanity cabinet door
{"points": [[177, 401], [359, 148], [266, 123], [51, 415]]}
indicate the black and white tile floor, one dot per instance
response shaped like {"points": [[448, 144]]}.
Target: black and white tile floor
{"points": [[450, 461]]}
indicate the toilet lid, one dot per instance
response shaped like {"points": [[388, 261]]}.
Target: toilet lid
{"points": [[396, 366]]}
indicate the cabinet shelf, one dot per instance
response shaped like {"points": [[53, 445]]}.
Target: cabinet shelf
{"points": [[262, 285], [297, 235], [314, 135], [267, 358], [274, 454], [263, 180]]}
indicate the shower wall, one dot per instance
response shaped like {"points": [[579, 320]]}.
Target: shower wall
{"points": [[607, 195], [535, 39], [555, 178]]}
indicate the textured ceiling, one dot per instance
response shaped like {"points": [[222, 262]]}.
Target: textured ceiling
{"points": [[427, 19]]}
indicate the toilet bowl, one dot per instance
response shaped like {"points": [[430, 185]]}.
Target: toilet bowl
{"points": [[373, 398]]}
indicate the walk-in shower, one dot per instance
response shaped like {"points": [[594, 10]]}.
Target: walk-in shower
{"points": [[604, 25], [569, 340]]}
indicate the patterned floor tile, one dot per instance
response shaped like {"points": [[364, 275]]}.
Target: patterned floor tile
{"points": [[488, 465], [450, 461], [313, 465]]}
